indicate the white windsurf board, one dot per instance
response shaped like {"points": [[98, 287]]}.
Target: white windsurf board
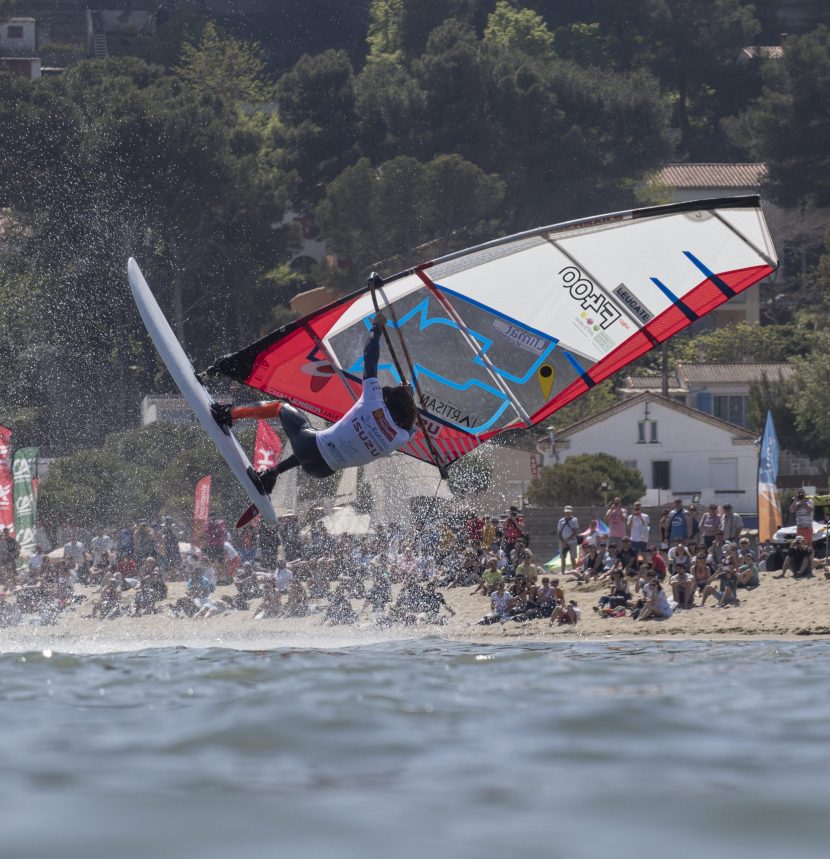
{"points": [[180, 368]]}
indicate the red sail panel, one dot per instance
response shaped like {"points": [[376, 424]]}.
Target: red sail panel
{"points": [[296, 369]]}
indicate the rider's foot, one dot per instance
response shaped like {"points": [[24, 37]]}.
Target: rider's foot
{"points": [[222, 415], [268, 479]]}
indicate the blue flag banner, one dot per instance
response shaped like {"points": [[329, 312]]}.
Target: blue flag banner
{"points": [[769, 508]]}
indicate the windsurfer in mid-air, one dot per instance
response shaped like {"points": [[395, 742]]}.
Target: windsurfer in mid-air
{"points": [[377, 424]]}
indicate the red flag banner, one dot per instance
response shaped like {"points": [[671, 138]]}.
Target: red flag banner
{"points": [[267, 448], [6, 481], [201, 508]]}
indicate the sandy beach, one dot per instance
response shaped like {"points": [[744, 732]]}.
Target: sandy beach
{"points": [[779, 608]]}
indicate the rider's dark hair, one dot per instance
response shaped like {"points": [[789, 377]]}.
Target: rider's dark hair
{"points": [[401, 406]]}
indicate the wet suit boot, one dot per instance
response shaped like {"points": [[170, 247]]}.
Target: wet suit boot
{"points": [[222, 415], [268, 480]]}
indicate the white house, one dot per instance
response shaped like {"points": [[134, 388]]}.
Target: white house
{"points": [[17, 37], [678, 450]]}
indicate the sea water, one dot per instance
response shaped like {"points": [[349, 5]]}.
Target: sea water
{"points": [[423, 748]]}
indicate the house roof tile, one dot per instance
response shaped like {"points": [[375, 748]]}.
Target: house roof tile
{"points": [[737, 176]]}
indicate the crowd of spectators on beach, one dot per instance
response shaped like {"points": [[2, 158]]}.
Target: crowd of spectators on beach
{"points": [[396, 575]]}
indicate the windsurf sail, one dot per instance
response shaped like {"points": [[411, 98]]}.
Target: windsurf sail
{"points": [[501, 335], [769, 507]]}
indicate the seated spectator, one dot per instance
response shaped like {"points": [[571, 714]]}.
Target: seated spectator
{"points": [[658, 563], [296, 600], [628, 556], [528, 569], [520, 591], [656, 603], [748, 574], [679, 556], [799, 560], [490, 578], [702, 570], [775, 557], [109, 604], [379, 595], [726, 592], [500, 603], [339, 610], [745, 550], [593, 565], [432, 601], [620, 594], [566, 615], [683, 587], [271, 605], [546, 596]]}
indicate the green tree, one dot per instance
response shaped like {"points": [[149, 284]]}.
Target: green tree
{"points": [[129, 162], [226, 67], [387, 212], [519, 33], [739, 342], [318, 125], [385, 37], [578, 480], [789, 126]]}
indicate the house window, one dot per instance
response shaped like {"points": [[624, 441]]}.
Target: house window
{"points": [[723, 473], [647, 432], [730, 408], [661, 474], [14, 31], [630, 463]]}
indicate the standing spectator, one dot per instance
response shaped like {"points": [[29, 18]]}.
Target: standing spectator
{"points": [[731, 524], [803, 509], [513, 530], [290, 531], [144, 541], [74, 549], [126, 545], [474, 527], [694, 528], [9, 553], [678, 523], [491, 534], [617, 518], [100, 544], [214, 541], [269, 543], [568, 528], [171, 557], [709, 524], [638, 528]]}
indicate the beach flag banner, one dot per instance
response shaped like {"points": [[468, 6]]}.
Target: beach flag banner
{"points": [[267, 447], [6, 481], [24, 468], [769, 508], [601, 529], [201, 509], [554, 561]]}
